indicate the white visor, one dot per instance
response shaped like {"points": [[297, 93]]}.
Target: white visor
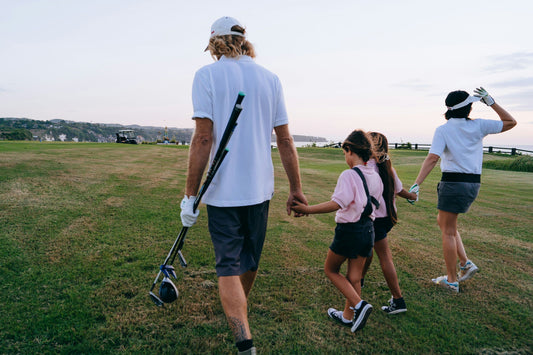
{"points": [[470, 99]]}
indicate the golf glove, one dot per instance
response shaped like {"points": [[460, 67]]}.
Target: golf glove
{"points": [[484, 96], [188, 216], [415, 188]]}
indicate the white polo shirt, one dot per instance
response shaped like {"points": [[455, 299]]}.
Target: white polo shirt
{"points": [[459, 143], [246, 176]]}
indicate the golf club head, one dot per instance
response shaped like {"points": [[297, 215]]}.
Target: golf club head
{"points": [[158, 302], [168, 292], [168, 270]]}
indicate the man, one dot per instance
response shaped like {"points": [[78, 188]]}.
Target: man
{"points": [[238, 198]]}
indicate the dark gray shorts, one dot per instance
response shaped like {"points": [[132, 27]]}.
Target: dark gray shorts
{"points": [[456, 197], [238, 234], [382, 226], [354, 239]]}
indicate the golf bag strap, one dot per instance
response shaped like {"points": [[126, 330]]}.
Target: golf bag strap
{"points": [[368, 208]]}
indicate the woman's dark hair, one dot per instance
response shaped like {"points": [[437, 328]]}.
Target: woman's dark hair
{"points": [[359, 143], [453, 99], [381, 153]]}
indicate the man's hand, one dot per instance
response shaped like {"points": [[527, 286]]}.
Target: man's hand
{"points": [[188, 217], [293, 198]]}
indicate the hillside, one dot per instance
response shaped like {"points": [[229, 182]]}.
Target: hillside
{"points": [[60, 130], [68, 131]]}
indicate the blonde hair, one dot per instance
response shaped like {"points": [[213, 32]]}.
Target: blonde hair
{"points": [[230, 46]]}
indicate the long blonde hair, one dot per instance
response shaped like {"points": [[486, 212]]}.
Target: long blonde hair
{"points": [[230, 46]]}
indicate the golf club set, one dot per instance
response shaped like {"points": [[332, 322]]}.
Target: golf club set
{"points": [[168, 292]]}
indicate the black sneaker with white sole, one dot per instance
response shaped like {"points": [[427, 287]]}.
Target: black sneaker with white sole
{"points": [[337, 316], [360, 316], [395, 306]]}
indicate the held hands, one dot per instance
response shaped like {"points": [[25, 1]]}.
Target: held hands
{"points": [[299, 198], [188, 217], [299, 208], [484, 96], [414, 190]]}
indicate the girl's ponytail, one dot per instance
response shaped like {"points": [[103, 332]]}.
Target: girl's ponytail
{"points": [[381, 146]]}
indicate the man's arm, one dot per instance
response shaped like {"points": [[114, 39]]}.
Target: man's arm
{"points": [[289, 159], [199, 151]]}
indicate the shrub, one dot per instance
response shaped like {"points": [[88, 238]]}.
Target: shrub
{"points": [[519, 163]]}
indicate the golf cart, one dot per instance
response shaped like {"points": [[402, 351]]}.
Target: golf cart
{"points": [[126, 136]]}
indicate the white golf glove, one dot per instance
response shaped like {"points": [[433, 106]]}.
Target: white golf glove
{"points": [[415, 188], [188, 217], [484, 96]]}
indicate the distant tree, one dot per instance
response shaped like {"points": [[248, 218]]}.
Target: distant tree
{"points": [[16, 134]]}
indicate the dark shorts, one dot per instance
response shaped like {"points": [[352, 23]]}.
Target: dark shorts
{"points": [[382, 226], [456, 197], [354, 239], [238, 235]]}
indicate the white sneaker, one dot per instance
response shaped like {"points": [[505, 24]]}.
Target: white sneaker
{"points": [[467, 271], [337, 316], [443, 281]]}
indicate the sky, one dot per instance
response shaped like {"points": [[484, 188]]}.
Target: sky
{"points": [[382, 66]]}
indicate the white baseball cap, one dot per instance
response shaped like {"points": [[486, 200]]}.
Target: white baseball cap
{"points": [[223, 25]]}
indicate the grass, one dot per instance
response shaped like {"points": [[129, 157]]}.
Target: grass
{"points": [[83, 228]]}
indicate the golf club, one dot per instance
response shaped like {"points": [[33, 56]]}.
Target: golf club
{"points": [[168, 292]]}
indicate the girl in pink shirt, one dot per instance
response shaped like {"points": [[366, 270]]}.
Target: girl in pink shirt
{"points": [[386, 218], [354, 201]]}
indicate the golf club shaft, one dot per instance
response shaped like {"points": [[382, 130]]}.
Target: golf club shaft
{"points": [[221, 151], [217, 160], [183, 232]]}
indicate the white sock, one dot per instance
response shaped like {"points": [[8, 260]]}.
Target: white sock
{"points": [[345, 320], [357, 306]]}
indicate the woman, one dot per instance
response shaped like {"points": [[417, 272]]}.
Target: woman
{"points": [[460, 144]]}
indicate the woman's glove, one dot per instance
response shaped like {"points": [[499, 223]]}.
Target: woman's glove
{"points": [[484, 96], [415, 188], [188, 217]]}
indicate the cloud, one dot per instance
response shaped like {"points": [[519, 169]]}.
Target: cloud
{"points": [[520, 100], [515, 83], [416, 85], [510, 62]]}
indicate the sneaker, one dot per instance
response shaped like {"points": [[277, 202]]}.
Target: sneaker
{"points": [[337, 316], [360, 316], [443, 281], [466, 271], [395, 306]]}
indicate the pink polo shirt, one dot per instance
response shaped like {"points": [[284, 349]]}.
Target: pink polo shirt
{"points": [[350, 194]]}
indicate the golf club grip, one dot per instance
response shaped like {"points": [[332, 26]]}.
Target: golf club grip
{"points": [[209, 178]]}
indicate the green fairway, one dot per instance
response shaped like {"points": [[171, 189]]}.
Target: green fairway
{"points": [[84, 228]]}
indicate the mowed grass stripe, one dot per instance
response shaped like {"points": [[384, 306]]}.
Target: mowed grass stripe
{"points": [[84, 228]]}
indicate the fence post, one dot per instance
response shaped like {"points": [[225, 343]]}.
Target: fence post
{"points": [[416, 146], [513, 151], [395, 145], [490, 149]]}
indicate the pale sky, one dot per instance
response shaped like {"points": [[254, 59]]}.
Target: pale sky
{"points": [[376, 65]]}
